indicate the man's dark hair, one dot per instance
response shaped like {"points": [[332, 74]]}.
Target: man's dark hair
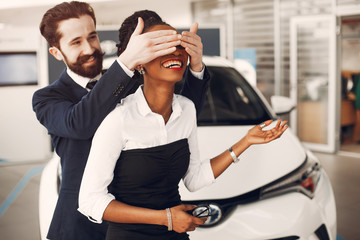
{"points": [[150, 18], [63, 11]]}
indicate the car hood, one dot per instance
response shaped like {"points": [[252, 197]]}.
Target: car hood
{"points": [[259, 164]]}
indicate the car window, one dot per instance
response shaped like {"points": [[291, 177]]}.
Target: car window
{"points": [[230, 100]]}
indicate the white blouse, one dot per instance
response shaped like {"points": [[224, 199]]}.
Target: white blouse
{"points": [[132, 125]]}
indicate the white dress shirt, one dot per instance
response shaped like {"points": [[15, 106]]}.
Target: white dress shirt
{"points": [[132, 125], [82, 81]]}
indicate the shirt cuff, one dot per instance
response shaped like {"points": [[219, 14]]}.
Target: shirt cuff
{"points": [[199, 75], [126, 70], [95, 213]]}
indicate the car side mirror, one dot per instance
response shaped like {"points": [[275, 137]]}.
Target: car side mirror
{"points": [[282, 105]]}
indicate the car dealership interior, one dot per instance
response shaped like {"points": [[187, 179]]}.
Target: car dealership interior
{"points": [[302, 57]]}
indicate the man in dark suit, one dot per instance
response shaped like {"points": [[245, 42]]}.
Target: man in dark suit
{"points": [[71, 110]]}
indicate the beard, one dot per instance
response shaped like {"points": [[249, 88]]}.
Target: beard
{"points": [[86, 71]]}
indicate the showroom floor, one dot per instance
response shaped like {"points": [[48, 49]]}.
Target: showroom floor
{"points": [[19, 184]]}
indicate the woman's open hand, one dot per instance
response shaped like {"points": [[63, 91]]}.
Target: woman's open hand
{"points": [[257, 135]]}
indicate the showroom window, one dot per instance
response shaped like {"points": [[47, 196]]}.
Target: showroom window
{"points": [[255, 27]]}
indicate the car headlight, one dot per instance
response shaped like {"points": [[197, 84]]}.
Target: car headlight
{"points": [[303, 180]]}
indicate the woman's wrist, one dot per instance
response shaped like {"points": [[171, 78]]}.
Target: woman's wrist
{"points": [[246, 141], [241, 146]]}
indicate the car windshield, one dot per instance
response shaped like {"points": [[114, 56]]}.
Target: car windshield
{"points": [[230, 100]]}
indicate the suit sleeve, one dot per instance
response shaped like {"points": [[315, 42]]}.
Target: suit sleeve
{"points": [[195, 89], [63, 115]]}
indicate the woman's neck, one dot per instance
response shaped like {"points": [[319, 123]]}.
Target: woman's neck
{"points": [[159, 98]]}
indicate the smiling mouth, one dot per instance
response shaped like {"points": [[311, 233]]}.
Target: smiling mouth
{"points": [[90, 60], [173, 64]]}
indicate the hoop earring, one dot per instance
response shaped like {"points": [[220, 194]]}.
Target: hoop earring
{"points": [[142, 71]]}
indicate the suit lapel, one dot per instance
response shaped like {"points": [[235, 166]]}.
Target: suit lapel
{"points": [[72, 88]]}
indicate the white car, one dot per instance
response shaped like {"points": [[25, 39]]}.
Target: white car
{"points": [[276, 191]]}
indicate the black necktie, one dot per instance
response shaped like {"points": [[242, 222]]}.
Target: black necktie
{"points": [[90, 85]]}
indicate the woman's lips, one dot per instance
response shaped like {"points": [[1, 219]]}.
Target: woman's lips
{"points": [[175, 64]]}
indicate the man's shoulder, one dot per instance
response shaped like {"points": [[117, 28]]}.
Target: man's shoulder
{"points": [[61, 89], [55, 87], [57, 83]]}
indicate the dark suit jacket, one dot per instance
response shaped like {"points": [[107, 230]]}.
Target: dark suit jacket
{"points": [[71, 116]]}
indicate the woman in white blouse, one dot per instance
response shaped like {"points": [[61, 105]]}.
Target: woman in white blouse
{"points": [[148, 143]]}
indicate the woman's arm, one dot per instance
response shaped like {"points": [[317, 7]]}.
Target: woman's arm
{"points": [[254, 136], [123, 213], [106, 147], [181, 221], [202, 173]]}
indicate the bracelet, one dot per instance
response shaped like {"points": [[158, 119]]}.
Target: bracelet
{"points": [[234, 157], [168, 214]]}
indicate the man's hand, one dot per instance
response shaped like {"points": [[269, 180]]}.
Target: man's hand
{"points": [[143, 48], [194, 47]]}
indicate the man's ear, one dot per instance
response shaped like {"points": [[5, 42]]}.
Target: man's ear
{"points": [[56, 53]]}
